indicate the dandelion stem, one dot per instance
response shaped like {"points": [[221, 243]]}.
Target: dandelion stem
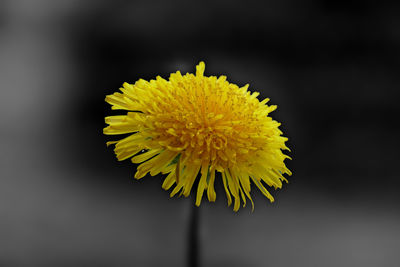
{"points": [[193, 237]]}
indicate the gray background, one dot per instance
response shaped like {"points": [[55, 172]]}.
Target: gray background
{"points": [[331, 68]]}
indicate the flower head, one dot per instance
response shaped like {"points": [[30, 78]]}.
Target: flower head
{"points": [[193, 124]]}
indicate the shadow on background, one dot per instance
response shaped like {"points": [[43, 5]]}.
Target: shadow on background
{"points": [[331, 68]]}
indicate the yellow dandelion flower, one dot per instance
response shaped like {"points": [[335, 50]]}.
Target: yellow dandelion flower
{"points": [[193, 124]]}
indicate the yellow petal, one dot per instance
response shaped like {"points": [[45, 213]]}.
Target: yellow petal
{"points": [[163, 159], [233, 187], [119, 101], [210, 189], [189, 177], [120, 129], [202, 183], [127, 153], [145, 156], [169, 180], [146, 167], [200, 69], [228, 195], [262, 189]]}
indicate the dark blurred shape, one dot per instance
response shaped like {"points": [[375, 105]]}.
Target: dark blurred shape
{"points": [[193, 245]]}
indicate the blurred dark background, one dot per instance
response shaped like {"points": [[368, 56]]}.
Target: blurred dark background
{"points": [[331, 67]]}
